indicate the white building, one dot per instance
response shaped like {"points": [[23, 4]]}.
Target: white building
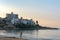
{"points": [[14, 21], [29, 22], [24, 21], [13, 18]]}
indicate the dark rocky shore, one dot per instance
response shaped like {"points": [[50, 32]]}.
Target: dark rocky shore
{"points": [[25, 27]]}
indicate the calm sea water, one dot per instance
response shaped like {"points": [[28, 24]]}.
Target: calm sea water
{"points": [[32, 34]]}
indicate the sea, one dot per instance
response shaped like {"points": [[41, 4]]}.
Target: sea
{"points": [[32, 34]]}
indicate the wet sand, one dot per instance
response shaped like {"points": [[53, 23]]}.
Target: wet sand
{"points": [[11, 38]]}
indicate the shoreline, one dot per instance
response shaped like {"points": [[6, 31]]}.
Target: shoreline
{"points": [[11, 38]]}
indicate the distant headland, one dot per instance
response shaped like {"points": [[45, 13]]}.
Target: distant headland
{"points": [[12, 21]]}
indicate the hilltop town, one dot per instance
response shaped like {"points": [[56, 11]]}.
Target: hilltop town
{"points": [[12, 21]]}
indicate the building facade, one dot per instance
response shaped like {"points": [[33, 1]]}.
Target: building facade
{"points": [[13, 18], [26, 21]]}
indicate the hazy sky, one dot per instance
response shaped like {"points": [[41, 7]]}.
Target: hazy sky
{"points": [[47, 12]]}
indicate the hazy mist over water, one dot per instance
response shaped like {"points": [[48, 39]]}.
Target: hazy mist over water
{"points": [[33, 35]]}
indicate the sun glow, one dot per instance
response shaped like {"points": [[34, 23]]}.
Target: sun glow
{"points": [[2, 8]]}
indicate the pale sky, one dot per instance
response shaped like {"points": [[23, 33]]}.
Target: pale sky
{"points": [[47, 12]]}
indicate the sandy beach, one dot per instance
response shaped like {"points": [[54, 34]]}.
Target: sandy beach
{"points": [[11, 38]]}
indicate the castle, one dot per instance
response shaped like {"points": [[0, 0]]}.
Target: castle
{"points": [[13, 18]]}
